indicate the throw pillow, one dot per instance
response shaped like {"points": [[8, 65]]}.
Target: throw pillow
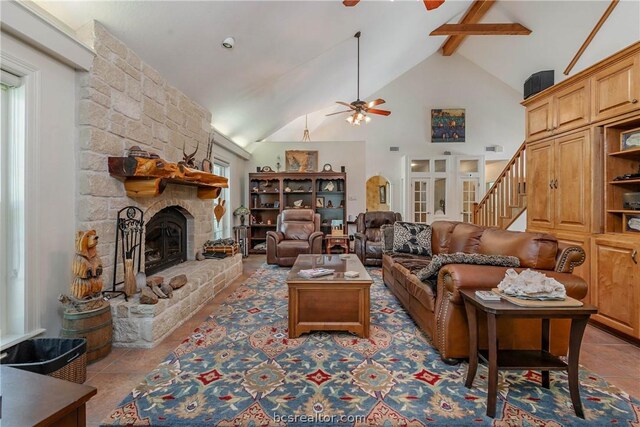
{"points": [[438, 261], [412, 238], [387, 237]]}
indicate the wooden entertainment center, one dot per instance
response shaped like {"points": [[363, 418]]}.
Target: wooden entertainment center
{"points": [[576, 167], [272, 192]]}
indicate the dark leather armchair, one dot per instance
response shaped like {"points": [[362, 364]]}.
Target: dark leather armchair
{"points": [[297, 232], [368, 242]]}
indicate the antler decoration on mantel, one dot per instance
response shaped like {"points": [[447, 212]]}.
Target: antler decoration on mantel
{"points": [[189, 159]]}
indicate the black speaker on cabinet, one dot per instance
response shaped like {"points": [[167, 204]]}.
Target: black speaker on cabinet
{"points": [[538, 82]]}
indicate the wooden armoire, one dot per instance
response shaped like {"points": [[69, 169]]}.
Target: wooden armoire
{"points": [[576, 161]]}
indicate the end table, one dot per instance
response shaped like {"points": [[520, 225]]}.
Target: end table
{"points": [[341, 240], [523, 359]]}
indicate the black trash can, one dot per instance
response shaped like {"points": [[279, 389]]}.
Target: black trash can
{"points": [[64, 358]]}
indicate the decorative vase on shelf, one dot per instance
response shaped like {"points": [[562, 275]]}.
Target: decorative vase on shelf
{"points": [[130, 285]]}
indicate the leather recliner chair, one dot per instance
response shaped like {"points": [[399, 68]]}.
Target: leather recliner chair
{"points": [[368, 238], [297, 232]]}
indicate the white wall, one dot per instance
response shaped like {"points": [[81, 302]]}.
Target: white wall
{"points": [[493, 116], [351, 154], [55, 186]]}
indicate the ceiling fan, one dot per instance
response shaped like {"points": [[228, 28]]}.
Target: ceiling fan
{"points": [[429, 4], [358, 108]]}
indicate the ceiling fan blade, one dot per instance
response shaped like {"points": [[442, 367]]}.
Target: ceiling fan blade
{"points": [[381, 112], [339, 112], [346, 105], [432, 4], [350, 3], [375, 102]]}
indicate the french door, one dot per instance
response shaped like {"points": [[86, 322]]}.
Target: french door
{"points": [[469, 195]]}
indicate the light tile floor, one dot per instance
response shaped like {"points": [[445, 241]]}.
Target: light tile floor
{"points": [[115, 376]]}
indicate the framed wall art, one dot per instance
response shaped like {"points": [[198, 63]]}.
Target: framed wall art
{"points": [[448, 125], [301, 161]]}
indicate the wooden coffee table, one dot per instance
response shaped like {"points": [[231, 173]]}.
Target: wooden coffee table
{"points": [[541, 359], [329, 303]]}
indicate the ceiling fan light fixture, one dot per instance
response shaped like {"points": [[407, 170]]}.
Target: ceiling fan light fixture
{"points": [[349, 119], [367, 119]]}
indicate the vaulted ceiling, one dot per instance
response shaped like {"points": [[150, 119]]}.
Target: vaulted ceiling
{"points": [[297, 57]]}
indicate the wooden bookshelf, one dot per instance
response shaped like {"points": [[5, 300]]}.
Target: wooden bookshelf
{"points": [[272, 192]]}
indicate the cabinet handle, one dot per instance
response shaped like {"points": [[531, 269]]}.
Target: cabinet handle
{"points": [[634, 101], [634, 254], [551, 184], [555, 184]]}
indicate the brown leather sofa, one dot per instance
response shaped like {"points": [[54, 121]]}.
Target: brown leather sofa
{"points": [[437, 306], [368, 237], [297, 232]]}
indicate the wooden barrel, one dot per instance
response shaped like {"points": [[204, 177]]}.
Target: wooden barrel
{"points": [[95, 326]]}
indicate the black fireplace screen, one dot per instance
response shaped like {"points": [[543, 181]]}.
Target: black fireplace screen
{"points": [[165, 240]]}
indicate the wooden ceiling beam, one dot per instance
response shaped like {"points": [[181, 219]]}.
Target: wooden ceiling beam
{"points": [[481, 30], [474, 14], [591, 35]]}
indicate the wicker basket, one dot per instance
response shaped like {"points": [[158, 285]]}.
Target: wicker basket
{"points": [[75, 371]]}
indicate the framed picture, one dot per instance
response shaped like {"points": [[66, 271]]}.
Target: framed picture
{"points": [[319, 202], [630, 139], [448, 125], [301, 161], [632, 223]]}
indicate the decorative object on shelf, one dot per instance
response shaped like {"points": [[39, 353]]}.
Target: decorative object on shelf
{"points": [[383, 194], [342, 203], [330, 204], [136, 151], [337, 227], [631, 201], [86, 286], [276, 205], [301, 161], [319, 202], [448, 125], [241, 211], [630, 139], [327, 168], [632, 223], [206, 162], [287, 189], [359, 109], [266, 169], [129, 232], [343, 169], [219, 209], [188, 160], [330, 186], [297, 204], [306, 137], [278, 165]]}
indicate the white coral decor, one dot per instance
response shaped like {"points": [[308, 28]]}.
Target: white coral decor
{"points": [[531, 285]]}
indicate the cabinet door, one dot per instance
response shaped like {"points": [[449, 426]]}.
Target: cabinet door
{"points": [[571, 185], [571, 107], [540, 201], [616, 279], [539, 120], [615, 90]]}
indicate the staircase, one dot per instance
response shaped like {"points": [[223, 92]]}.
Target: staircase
{"points": [[506, 199]]}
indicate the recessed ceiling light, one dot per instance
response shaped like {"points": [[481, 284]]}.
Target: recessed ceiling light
{"points": [[228, 42]]}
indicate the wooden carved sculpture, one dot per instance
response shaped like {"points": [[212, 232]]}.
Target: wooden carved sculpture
{"points": [[189, 159], [219, 209], [87, 266]]}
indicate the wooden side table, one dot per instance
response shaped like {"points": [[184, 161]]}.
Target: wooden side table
{"points": [[39, 400], [541, 359], [337, 240]]}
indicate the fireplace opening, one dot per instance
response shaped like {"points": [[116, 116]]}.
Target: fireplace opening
{"points": [[165, 240]]}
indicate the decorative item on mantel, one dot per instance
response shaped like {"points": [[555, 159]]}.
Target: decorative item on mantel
{"points": [[189, 160], [220, 209], [206, 162], [241, 212], [129, 232], [86, 287]]}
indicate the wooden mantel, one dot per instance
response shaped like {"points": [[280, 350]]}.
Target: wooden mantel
{"points": [[149, 177]]}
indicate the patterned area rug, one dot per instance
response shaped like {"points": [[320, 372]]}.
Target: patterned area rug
{"points": [[239, 368]]}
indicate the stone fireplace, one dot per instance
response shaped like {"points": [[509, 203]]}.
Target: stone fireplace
{"points": [[123, 102]]}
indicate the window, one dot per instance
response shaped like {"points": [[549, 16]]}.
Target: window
{"points": [[222, 229], [13, 301]]}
